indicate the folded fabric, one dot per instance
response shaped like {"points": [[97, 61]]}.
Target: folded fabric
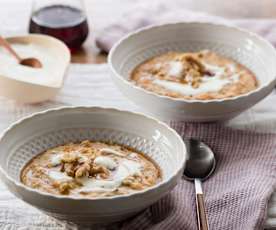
{"points": [[166, 11], [236, 195]]}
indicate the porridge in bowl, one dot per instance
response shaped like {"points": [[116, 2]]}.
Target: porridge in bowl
{"points": [[204, 75], [91, 169]]}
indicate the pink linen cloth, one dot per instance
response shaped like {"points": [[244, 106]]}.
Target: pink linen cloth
{"points": [[149, 14], [236, 195]]}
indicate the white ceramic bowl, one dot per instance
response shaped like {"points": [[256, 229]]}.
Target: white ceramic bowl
{"points": [[243, 46], [24, 90], [34, 134]]}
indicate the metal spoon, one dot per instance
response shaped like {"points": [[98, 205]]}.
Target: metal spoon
{"points": [[200, 165], [31, 62]]}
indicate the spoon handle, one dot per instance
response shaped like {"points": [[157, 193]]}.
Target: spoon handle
{"points": [[202, 220], [4, 43]]}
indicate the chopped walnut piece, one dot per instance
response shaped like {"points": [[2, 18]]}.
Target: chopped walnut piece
{"points": [[98, 170], [195, 84], [35, 184], [86, 143], [69, 168], [136, 185], [132, 183], [200, 55], [85, 150], [68, 148], [148, 181], [69, 157], [154, 71], [194, 63], [65, 187], [104, 175], [194, 70], [83, 170]]}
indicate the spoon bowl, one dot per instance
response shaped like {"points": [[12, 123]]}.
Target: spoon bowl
{"points": [[201, 161], [31, 62]]}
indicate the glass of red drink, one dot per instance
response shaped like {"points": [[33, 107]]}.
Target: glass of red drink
{"points": [[63, 19]]}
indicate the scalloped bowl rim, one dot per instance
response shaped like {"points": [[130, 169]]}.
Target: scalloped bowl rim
{"points": [[155, 26], [138, 193]]}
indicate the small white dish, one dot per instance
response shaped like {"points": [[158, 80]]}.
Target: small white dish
{"points": [[30, 85], [39, 132], [245, 47]]}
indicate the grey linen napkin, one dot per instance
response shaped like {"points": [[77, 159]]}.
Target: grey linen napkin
{"points": [[161, 12], [236, 195]]}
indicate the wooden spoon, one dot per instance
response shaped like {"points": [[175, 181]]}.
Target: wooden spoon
{"points": [[31, 62]]}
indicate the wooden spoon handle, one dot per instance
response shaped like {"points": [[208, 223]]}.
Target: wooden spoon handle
{"points": [[202, 220], [4, 43], [201, 213]]}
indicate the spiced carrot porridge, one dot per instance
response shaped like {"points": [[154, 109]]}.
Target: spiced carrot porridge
{"points": [[90, 169], [203, 75]]}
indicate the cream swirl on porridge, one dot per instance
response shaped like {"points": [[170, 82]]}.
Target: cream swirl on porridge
{"points": [[90, 169], [203, 75]]}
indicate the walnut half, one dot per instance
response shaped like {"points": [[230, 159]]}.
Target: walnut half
{"points": [[83, 170]]}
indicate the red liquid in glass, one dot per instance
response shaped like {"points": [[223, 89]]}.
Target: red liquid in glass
{"points": [[63, 22]]}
